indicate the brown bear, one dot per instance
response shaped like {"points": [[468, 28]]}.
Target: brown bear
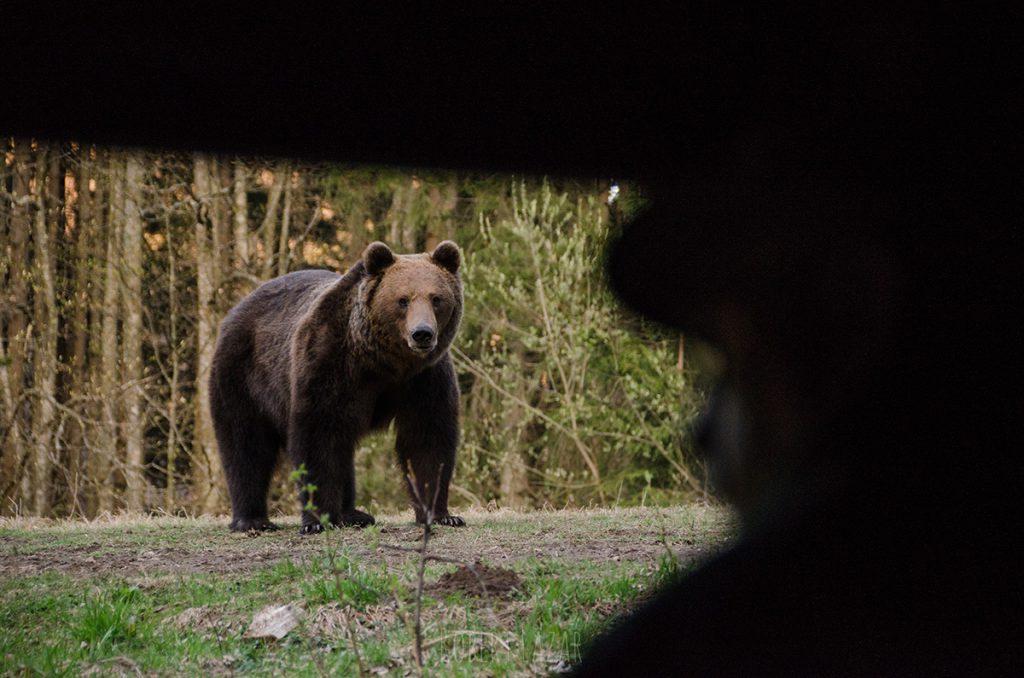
{"points": [[312, 361]]}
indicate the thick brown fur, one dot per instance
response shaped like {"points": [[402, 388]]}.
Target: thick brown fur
{"points": [[312, 361]]}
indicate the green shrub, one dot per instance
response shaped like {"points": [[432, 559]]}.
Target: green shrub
{"points": [[108, 618], [567, 399]]}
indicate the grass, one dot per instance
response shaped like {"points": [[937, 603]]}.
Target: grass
{"points": [[171, 596]]}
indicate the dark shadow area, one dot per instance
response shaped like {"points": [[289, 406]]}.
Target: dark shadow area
{"points": [[831, 205]]}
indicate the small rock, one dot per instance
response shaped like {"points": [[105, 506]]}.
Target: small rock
{"points": [[274, 622]]}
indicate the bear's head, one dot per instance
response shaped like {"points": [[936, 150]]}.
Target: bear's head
{"points": [[416, 305]]}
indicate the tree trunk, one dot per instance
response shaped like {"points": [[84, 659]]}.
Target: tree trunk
{"points": [[62, 231], [106, 448], [12, 430], [45, 358], [286, 218], [441, 225], [131, 362], [357, 225], [514, 482], [402, 232], [296, 250], [207, 485], [80, 271], [410, 224], [213, 223], [97, 272], [170, 500], [12, 463], [241, 216], [267, 228]]}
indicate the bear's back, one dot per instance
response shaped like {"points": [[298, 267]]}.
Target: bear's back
{"points": [[254, 342], [278, 303]]}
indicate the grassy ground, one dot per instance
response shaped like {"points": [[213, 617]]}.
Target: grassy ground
{"points": [[170, 596]]}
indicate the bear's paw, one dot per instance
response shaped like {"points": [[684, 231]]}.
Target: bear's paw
{"points": [[356, 519], [452, 521], [254, 525]]}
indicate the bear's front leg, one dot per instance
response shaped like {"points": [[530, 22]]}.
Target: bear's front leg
{"points": [[427, 423], [329, 457]]}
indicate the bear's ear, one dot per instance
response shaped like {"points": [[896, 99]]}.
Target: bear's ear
{"points": [[447, 256], [376, 257]]}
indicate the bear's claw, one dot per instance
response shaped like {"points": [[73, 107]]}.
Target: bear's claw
{"points": [[352, 519], [453, 521]]}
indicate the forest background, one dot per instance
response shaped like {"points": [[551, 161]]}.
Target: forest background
{"points": [[116, 266]]}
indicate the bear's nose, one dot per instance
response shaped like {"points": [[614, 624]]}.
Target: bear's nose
{"points": [[423, 335]]}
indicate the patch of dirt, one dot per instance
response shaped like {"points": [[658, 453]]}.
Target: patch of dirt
{"points": [[204, 545], [227, 557], [195, 619], [512, 613], [225, 666], [402, 533], [498, 582], [113, 666], [330, 620], [637, 547], [125, 560]]}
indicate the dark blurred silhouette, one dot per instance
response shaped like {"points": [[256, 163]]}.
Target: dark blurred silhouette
{"points": [[831, 203], [851, 254], [867, 426]]}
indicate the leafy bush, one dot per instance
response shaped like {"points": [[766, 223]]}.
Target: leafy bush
{"points": [[567, 399]]}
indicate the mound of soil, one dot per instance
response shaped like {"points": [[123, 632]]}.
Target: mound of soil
{"points": [[499, 582], [195, 619]]}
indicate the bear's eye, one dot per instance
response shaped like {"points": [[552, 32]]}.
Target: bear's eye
{"points": [[403, 302], [436, 301]]}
